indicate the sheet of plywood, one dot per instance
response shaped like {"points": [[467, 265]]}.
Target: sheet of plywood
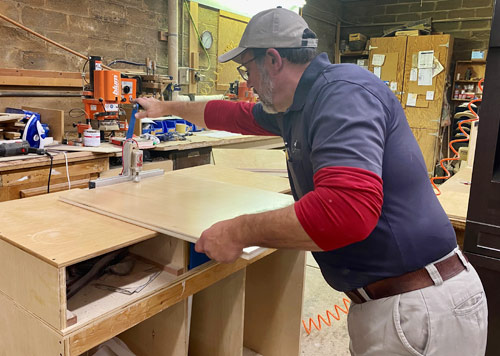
{"points": [[52, 117], [238, 177], [455, 196], [231, 28], [428, 115], [217, 318], [428, 142], [61, 234], [250, 159], [175, 204], [394, 49]]}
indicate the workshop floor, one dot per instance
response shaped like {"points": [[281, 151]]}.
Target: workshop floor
{"points": [[319, 297]]}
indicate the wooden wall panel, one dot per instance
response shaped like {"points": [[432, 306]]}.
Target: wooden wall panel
{"points": [[231, 28], [428, 115], [393, 68]]}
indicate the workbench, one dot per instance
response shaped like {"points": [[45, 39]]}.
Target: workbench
{"points": [[25, 176], [256, 303]]}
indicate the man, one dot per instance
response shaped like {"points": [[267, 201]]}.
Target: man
{"points": [[364, 203]]}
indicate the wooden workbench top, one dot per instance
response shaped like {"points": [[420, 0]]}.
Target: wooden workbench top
{"points": [[61, 234]]}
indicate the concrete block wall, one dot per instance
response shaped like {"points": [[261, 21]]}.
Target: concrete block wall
{"points": [[113, 29], [322, 17], [464, 19]]}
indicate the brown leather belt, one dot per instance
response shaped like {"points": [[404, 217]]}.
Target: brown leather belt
{"points": [[408, 282]]}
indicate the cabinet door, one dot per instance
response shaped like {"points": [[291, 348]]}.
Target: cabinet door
{"points": [[422, 112], [387, 61]]}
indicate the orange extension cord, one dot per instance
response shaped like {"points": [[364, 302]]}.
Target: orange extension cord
{"points": [[328, 314], [456, 157]]}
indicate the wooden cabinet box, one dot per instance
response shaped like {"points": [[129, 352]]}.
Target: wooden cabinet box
{"points": [[255, 303]]}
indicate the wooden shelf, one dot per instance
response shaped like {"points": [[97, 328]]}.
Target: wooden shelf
{"points": [[464, 100], [467, 81], [354, 54]]}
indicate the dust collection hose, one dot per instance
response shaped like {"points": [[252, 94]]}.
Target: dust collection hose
{"points": [[456, 157]]}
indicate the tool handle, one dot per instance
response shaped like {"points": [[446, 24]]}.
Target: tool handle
{"points": [[14, 149]]}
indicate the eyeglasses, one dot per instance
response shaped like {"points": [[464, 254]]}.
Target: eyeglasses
{"points": [[243, 70]]}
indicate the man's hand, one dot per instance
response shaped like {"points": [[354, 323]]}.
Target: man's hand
{"points": [[222, 241], [152, 108]]}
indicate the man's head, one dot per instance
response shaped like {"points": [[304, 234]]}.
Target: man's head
{"points": [[275, 48]]}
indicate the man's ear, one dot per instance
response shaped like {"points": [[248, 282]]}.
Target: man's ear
{"points": [[275, 61]]}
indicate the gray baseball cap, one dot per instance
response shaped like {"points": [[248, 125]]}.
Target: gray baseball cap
{"points": [[274, 28]]}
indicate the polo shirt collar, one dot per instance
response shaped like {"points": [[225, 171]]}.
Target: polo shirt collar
{"points": [[307, 80]]}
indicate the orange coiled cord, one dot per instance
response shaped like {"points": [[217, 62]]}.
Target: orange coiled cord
{"points": [[456, 156], [328, 314]]}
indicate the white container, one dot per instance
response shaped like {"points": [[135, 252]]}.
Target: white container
{"points": [[91, 138]]}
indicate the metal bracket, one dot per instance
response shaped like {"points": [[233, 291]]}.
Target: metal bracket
{"points": [[101, 182]]}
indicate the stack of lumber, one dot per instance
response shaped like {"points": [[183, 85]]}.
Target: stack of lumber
{"points": [[11, 126]]}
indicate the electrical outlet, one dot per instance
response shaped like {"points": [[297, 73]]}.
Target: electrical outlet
{"points": [[184, 75]]}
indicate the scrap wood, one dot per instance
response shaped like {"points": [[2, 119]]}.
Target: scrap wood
{"points": [[7, 117]]}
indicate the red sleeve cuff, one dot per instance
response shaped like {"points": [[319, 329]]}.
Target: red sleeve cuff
{"points": [[343, 208], [234, 117]]}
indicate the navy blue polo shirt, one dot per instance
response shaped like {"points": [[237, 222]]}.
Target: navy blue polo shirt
{"points": [[343, 115]]}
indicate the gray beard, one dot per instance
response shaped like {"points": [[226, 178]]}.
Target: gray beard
{"points": [[266, 92]]}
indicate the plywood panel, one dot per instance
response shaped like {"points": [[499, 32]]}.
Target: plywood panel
{"points": [[393, 69], [176, 205], [52, 117], [428, 115], [239, 177], [250, 159], [455, 196], [231, 28], [31, 283], [61, 234], [428, 142], [273, 303], [217, 318], [22, 334], [164, 334]]}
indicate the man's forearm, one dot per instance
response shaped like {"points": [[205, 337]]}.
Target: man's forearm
{"points": [[190, 111], [275, 229]]}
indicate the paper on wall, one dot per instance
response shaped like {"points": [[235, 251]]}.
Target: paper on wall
{"points": [[429, 96], [413, 75], [425, 59], [425, 76], [437, 67], [394, 86], [377, 71], [378, 60], [411, 100]]}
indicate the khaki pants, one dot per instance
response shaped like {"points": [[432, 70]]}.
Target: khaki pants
{"points": [[447, 319]]}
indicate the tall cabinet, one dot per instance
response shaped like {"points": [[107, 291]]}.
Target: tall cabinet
{"points": [[416, 69]]}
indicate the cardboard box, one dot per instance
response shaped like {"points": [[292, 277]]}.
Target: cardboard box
{"points": [[357, 37], [408, 33]]}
